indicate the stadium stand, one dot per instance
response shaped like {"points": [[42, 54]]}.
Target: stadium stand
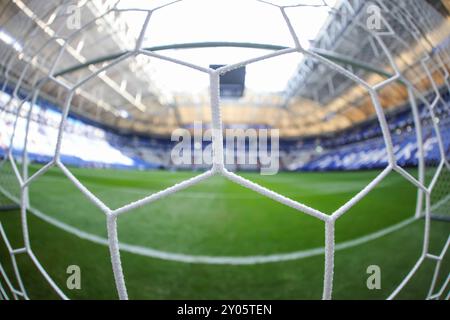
{"points": [[87, 144]]}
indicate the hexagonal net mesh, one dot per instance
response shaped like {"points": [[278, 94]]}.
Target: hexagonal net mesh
{"points": [[30, 70]]}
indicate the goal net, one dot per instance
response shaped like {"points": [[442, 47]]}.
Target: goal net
{"points": [[407, 54]]}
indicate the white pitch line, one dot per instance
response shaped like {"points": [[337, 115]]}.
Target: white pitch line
{"points": [[218, 260]]}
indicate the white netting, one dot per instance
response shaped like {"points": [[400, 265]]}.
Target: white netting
{"points": [[432, 183]]}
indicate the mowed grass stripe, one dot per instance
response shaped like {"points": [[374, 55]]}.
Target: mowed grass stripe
{"points": [[220, 218]]}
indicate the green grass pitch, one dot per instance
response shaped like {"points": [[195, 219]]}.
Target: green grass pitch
{"points": [[219, 218]]}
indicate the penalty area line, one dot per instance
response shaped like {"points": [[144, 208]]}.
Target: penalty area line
{"points": [[218, 260]]}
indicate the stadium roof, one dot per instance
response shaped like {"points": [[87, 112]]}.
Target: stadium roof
{"points": [[148, 95]]}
